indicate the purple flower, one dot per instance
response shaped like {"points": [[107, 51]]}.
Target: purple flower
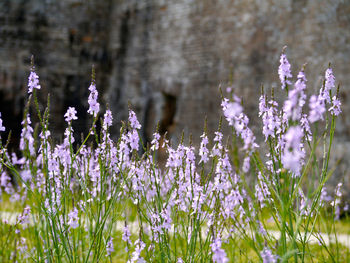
{"points": [[304, 207], [2, 128], [232, 201], [292, 157], [155, 141], [330, 79], [27, 136], [242, 129], [246, 164], [133, 138], [292, 160], [337, 200], [70, 114], [300, 84], [328, 85], [284, 70], [108, 118], [26, 175], [296, 98], [22, 246], [155, 225], [139, 246], [175, 157], [262, 192], [324, 197], [231, 109], [134, 123], [270, 118], [73, 219], [317, 108], [124, 150], [219, 255], [94, 106], [306, 127], [33, 82], [166, 216], [217, 148], [110, 247], [203, 150], [335, 109], [68, 139], [293, 137], [235, 117], [4, 179], [262, 229], [50, 206], [126, 235], [262, 105], [267, 256], [23, 219]]}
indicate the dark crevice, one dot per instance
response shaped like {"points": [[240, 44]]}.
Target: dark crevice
{"points": [[72, 98], [121, 56], [167, 124], [144, 72], [147, 113], [12, 119]]}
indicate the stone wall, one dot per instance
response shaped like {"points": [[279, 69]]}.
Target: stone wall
{"points": [[168, 58]]}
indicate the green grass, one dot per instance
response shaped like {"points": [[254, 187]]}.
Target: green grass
{"points": [[237, 249]]}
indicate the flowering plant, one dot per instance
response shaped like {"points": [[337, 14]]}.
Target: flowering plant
{"points": [[104, 200]]}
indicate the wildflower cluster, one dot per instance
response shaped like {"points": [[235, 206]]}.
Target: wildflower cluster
{"points": [[103, 199]]}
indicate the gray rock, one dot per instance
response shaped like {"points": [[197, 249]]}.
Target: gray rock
{"points": [[167, 58]]}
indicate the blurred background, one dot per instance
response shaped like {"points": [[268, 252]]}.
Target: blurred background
{"points": [[168, 58]]}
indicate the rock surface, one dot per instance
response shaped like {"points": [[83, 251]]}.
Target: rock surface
{"points": [[167, 58]]}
